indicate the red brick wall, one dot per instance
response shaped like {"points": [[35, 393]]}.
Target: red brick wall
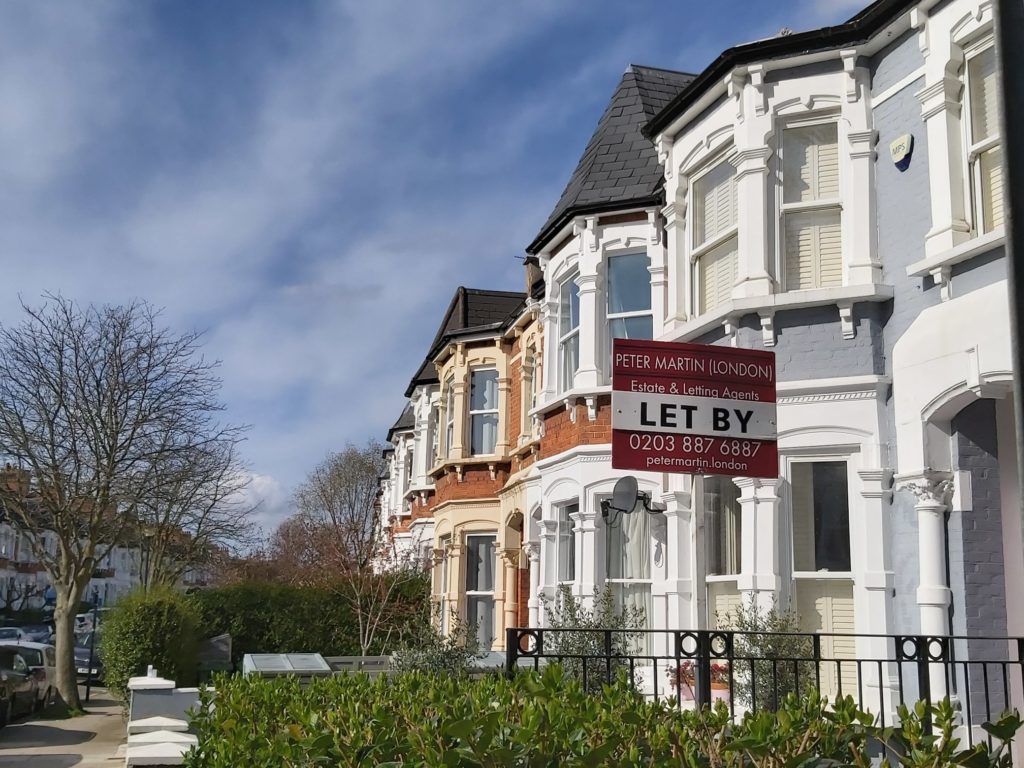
{"points": [[561, 433]]}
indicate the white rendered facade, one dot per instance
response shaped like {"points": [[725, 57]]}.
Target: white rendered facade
{"points": [[883, 338]]}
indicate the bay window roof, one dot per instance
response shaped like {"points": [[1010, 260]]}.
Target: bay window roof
{"points": [[619, 166], [470, 310]]}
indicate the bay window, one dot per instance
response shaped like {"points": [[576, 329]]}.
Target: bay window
{"points": [[723, 526], [565, 543], [715, 242], [821, 516], [812, 245], [568, 332], [483, 411], [984, 151], [629, 297], [480, 565]]}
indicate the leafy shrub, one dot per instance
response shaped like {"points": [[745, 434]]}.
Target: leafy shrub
{"points": [[540, 719], [767, 655], [264, 617], [428, 650], [158, 627], [602, 631]]}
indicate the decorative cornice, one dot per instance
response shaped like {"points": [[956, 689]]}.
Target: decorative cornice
{"points": [[828, 397]]}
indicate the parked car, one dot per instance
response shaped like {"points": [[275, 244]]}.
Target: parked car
{"points": [[38, 633], [19, 688], [42, 662], [12, 633], [82, 641]]}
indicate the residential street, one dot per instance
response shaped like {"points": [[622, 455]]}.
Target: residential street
{"points": [[91, 740]]}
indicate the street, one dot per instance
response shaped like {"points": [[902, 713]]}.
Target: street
{"points": [[90, 740]]}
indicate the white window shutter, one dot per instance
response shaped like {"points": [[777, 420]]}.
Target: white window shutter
{"points": [[984, 86], [814, 256], [992, 187], [715, 197], [717, 275], [810, 163]]}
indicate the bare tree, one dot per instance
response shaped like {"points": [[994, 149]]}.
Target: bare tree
{"points": [[198, 515], [95, 403], [335, 539]]}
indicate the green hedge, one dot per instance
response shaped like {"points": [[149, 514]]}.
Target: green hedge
{"points": [[159, 627], [264, 617], [540, 720]]}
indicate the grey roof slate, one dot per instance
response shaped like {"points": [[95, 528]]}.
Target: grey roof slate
{"points": [[469, 308], [619, 165], [405, 422]]}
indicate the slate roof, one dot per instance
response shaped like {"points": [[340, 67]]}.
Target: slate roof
{"points": [[619, 165], [405, 422], [469, 309], [860, 28]]}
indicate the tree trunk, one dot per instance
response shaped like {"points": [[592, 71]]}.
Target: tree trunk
{"points": [[68, 599]]}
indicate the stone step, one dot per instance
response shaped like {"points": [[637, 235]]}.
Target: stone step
{"points": [[159, 723], [155, 754], [157, 737]]}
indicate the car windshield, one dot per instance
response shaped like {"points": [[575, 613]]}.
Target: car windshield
{"points": [[82, 639]]}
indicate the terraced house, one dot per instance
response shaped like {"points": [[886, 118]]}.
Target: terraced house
{"points": [[833, 196]]}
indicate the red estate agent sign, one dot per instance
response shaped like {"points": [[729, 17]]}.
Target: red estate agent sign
{"points": [[693, 408]]}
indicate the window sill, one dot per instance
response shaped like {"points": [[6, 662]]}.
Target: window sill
{"points": [[491, 461], [824, 575], [768, 304], [940, 265], [721, 578], [572, 397]]}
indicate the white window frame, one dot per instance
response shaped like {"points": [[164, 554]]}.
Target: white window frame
{"points": [[567, 336], [699, 250], [562, 518], [608, 581], [611, 316], [449, 414], [434, 435], [819, 458], [484, 411], [737, 528], [820, 205], [444, 586], [973, 150], [478, 592]]}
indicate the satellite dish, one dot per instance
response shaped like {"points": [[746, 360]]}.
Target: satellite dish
{"points": [[624, 494]]}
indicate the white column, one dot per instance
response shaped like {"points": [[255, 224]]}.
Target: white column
{"points": [[679, 556], [858, 220], [760, 567], [659, 272], [547, 567], [753, 278], [585, 531], [532, 550], [588, 374], [933, 593], [875, 583], [940, 108]]}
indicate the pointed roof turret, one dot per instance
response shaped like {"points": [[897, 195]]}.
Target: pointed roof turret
{"points": [[619, 165]]}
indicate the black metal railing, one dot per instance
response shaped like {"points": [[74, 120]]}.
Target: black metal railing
{"points": [[982, 676]]}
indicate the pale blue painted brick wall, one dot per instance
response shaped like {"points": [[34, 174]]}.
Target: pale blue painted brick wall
{"points": [[903, 218]]}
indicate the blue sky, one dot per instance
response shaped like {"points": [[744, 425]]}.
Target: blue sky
{"points": [[310, 181]]}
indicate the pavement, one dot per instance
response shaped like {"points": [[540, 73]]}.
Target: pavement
{"points": [[89, 741]]}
